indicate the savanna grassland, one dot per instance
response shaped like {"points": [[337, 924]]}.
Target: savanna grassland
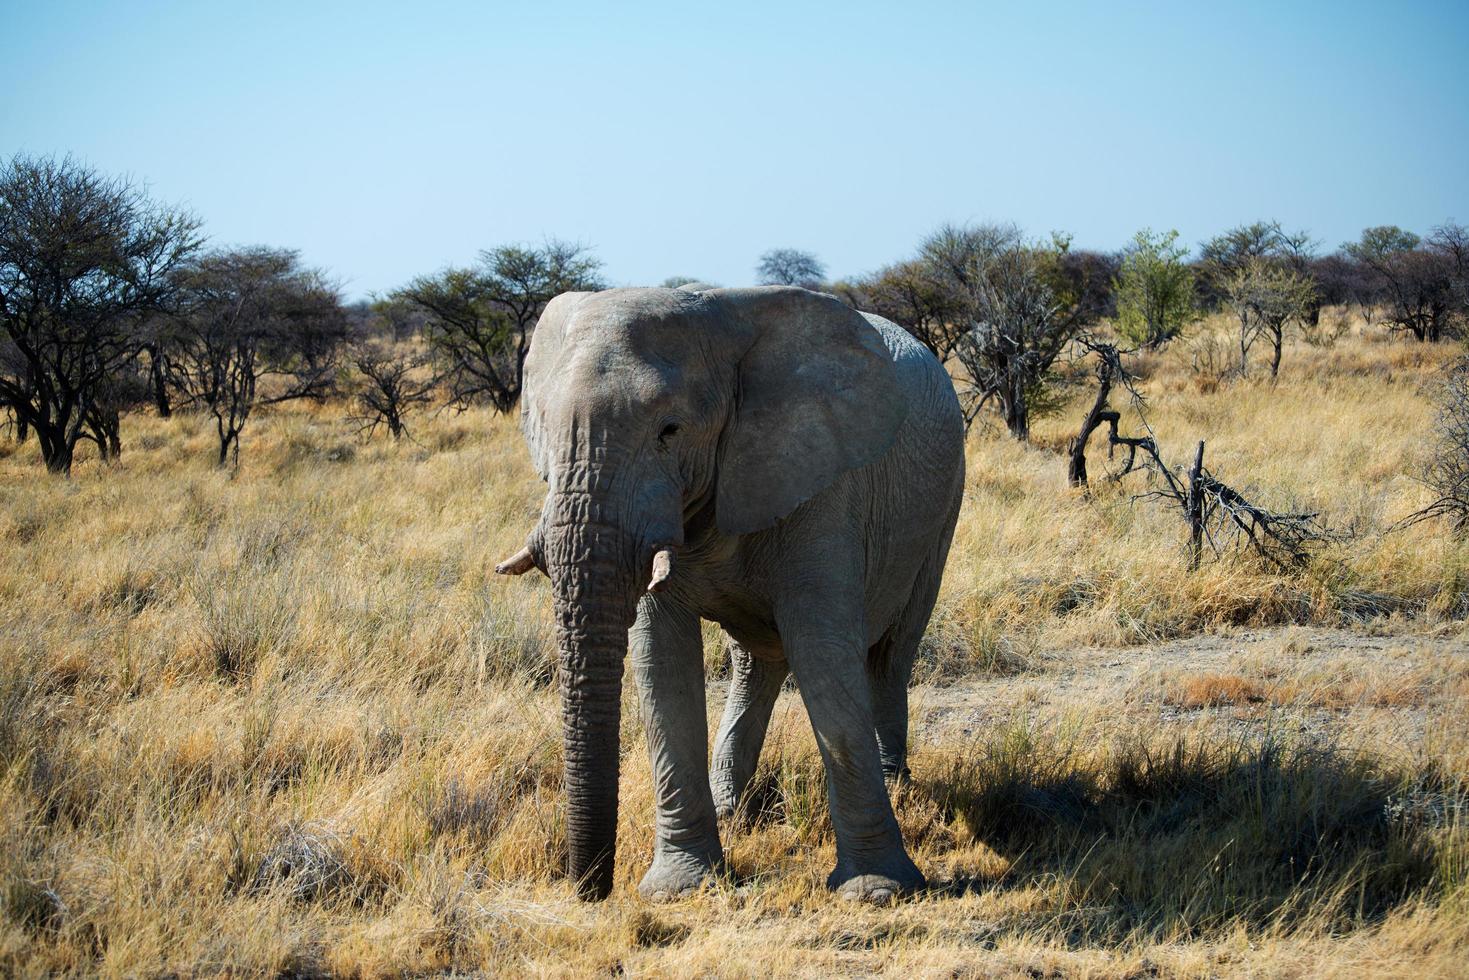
{"points": [[285, 720]]}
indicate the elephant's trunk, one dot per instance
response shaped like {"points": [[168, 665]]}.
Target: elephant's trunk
{"points": [[592, 570]]}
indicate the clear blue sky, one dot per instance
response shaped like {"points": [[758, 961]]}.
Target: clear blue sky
{"points": [[386, 140]]}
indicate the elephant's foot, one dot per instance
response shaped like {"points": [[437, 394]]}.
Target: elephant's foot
{"points": [[879, 882], [733, 819], [726, 797], [678, 872], [732, 811]]}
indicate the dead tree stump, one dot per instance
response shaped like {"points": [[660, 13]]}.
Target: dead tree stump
{"points": [[1194, 509], [1076, 475]]}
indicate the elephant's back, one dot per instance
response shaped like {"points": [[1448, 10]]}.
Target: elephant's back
{"points": [[926, 462], [914, 491], [933, 407]]}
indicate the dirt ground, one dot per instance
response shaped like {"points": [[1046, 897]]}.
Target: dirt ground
{"points": [[1387, 689], [1308, 675]]}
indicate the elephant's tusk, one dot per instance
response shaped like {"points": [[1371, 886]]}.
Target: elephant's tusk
{"points": [[662, 569], [517, 564]]}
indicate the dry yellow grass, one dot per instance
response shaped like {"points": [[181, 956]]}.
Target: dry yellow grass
{"points": [[283, 721]]}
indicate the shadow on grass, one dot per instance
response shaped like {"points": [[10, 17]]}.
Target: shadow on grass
{"points": [[1165, 838], [1187, 836]]}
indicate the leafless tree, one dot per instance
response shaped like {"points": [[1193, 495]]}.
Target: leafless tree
{"points": [[1235, 247], [84, 259], [1267, 297], [388, 385], [479, 319], [790, 267], [1223, 256], [929, 296], [157, 338], [1012, 340], [1447, 472], [255, 328], [1450, 241]]}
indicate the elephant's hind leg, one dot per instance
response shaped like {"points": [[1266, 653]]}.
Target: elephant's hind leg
{"points": [[890, 668], [889, 673], [754, 684], [824, 643]]}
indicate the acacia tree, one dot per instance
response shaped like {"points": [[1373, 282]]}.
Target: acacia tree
{"points": [[126, 389], [395, 319], [155, 345], [1416, 278], [84, 259], [1155, 290], [1450, 242], [1227, 252], [790, 267], [1223, 256], [255, 328], [1266, 298], [1339, 280], [1017, 307], [479, 319]]}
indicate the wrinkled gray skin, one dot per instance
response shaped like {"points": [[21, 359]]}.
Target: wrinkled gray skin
{"points": [[802, 464]]}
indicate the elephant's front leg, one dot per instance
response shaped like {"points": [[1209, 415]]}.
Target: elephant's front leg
{"points": [[668, 663], [825, 646]]}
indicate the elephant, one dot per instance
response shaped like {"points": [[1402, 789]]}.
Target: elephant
{"points": [[768, 459]]}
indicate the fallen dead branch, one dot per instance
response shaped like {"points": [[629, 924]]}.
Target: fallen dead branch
{"points": [[1216, 513]]}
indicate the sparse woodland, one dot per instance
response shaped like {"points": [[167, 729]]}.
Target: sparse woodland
{"points": [[265, 710]]}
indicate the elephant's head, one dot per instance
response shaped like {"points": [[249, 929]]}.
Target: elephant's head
{"points": [[644, 409]]}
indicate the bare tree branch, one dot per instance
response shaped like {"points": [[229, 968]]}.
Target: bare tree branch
{"points": [[1214, 512], [389, 384], [1447, 472], [255, 328]]}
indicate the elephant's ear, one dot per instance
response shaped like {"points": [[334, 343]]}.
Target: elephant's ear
{"points": [[818, 394], [549, 343]]}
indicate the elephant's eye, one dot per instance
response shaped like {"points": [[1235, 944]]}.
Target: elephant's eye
{"points": [[669, 431]]}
